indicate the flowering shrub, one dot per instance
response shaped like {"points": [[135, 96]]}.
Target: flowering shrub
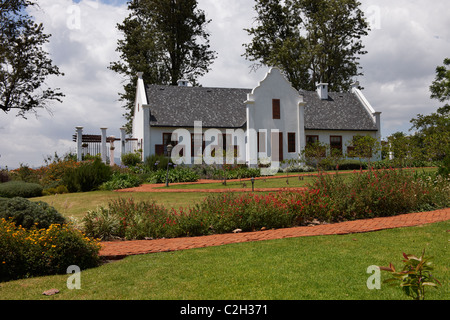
{"points": [[331, 198], [249, 212], [37, 252], [379, 194], [138, 220], [52, 174]]}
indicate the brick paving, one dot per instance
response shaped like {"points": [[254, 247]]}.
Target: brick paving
{"points": [[121, 249]]}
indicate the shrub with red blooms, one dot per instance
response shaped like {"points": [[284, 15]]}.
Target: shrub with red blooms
{"points": [[331, 198]]}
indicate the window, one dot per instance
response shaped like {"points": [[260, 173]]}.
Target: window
{"points": [[276, 112], [168, 138], [311, 140], [262, 141], [336, 143], [291, 142]]}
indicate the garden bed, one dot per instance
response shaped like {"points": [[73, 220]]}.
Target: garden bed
{"points": [[329, 199]]}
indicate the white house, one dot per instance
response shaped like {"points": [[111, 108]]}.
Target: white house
{"points": [[271, 121]]}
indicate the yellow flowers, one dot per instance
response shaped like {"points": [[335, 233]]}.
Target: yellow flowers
{"points": [[43, 251], [47, 239]]}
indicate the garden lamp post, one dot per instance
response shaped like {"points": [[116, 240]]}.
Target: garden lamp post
{"points": [[253, 184], [169, 152]]}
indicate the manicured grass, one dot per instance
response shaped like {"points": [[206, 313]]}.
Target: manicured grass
{"points": [[294, 182], [281, 180], [77, 204], [315, 268]]}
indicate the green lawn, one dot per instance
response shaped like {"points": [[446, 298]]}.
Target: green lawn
{"points": [[315, 268], [293, 182], [77, 204]]}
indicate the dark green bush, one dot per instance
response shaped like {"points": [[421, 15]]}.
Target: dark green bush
{"points": [[21, 189], [179, 174], [131, 159], [87, 177], [60, 189], [28, 213], [352, 165], [444, 167], [4, 176], [122, 181], [156, 162]]}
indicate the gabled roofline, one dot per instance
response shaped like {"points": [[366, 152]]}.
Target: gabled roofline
{"points": [[370, 110], [250, 99]]}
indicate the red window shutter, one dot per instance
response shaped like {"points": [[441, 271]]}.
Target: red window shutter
{"points": [[159, 149], [276, 109]]}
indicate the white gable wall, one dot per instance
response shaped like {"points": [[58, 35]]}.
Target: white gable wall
{"points": [[260, 117]]}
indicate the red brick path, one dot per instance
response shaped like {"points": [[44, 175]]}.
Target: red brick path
{"points": [[121, 249]]}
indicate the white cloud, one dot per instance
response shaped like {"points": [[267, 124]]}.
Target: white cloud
{"points": [[409, 39], [413, 38]]}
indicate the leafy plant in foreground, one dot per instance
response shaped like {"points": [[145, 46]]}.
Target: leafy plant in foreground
{"points": [[414, 277]]}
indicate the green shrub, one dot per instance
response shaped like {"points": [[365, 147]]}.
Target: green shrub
{"points": [[444, 167], [61, 189], [4, 176], [122, 181], [87, 177], [28, 213], [352, 165], [156, 162], [139, 220], [22, 189], [131, 159], [39, 252], [179, 174]]}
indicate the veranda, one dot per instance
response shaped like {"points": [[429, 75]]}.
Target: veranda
{"points": [[91, 144]]}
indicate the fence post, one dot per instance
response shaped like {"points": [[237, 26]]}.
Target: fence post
{"points": [[79, 143], [123, 142], [103, 149]]}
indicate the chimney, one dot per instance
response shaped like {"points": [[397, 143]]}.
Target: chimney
{"points": [[322, 91], [183, 83]]}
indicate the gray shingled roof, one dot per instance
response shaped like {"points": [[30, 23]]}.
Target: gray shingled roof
{"points": [[342, 111], [174, 106]]}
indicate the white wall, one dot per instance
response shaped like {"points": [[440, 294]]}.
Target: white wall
{"points": [[259, 114]]}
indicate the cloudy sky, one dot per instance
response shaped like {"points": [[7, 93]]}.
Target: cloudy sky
{"points": [[409, 39]]}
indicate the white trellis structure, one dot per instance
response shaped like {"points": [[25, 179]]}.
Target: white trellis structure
{"points": [[97, 144]]}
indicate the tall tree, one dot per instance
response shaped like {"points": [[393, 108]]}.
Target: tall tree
{"points": [[24, 64], [310, 40], [433, 130], [167, 41], [440, 88]]}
